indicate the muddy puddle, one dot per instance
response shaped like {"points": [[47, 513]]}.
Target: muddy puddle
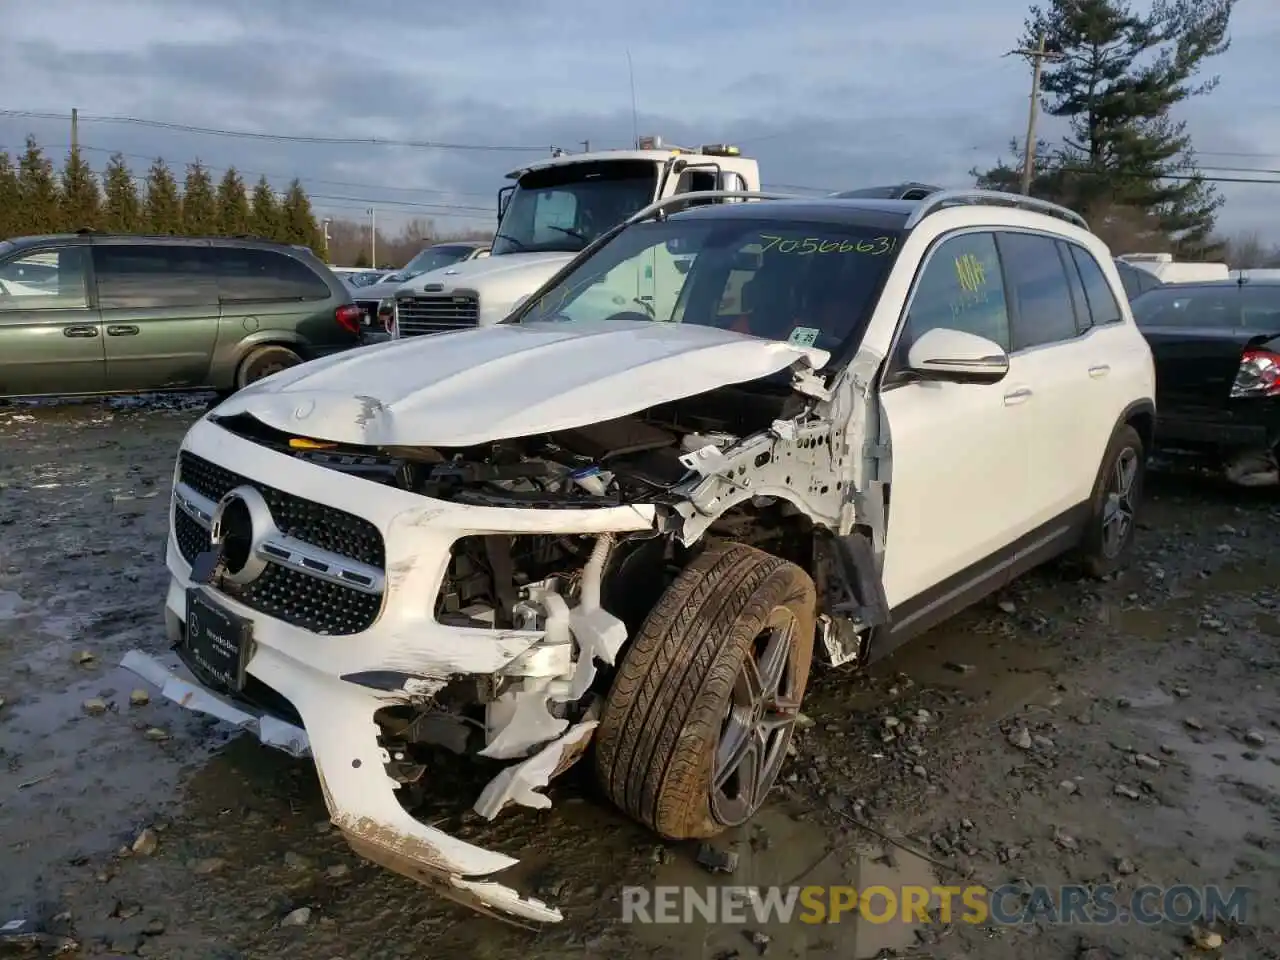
{"points": [[792, 894]]}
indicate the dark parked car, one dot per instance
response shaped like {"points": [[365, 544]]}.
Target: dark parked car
{"points": [[93, 313], [1217, 353], [1136, 280]]}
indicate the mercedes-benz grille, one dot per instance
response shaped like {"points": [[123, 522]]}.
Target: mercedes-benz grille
{"points": [[325, 574]]}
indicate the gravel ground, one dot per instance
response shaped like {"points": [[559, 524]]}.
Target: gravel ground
{"points": [[1065, 732]]}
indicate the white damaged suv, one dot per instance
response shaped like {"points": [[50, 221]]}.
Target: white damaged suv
{"points": [[631, 522]]}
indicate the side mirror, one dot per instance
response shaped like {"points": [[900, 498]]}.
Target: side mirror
{"points": [[958, 357], [504, 196]]}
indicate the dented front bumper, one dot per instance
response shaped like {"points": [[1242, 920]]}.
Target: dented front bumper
{"points": [[336, 684]]}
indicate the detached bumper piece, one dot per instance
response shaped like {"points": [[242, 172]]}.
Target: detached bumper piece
{"points": [[341, 737]]}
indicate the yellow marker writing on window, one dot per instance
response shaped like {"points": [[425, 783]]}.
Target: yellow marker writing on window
{"points": [[970, 272]]}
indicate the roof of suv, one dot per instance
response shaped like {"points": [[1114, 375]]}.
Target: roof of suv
{"points": [[878, 214], [885, 214]]}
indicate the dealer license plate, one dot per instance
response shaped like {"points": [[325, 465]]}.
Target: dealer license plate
{"points": [[217, 643]]}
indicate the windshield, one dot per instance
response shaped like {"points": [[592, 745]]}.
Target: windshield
{"points": [[810, 284], [432, 258], [564, 208]]}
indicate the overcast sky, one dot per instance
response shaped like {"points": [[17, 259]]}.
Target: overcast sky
{"points": [[827, 94]]}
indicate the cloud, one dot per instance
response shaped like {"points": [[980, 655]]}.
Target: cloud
{"points": [[825, 93]]}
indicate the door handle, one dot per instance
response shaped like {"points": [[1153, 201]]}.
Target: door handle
{"points": [[1100, 370], [80, 330], [121, 330], [1015, 397]]}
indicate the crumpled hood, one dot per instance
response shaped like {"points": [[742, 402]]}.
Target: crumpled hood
{"points": [[511, 380]]}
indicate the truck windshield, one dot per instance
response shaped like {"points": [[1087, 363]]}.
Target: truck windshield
{"points": [[563, 208], [810, 284]]}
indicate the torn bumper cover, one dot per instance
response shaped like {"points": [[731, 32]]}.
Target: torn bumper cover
{"points": [[342, 739], [337, 683]]}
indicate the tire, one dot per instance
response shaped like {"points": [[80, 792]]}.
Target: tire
{"points": [[668, 713], [1102, 552], [264, 361]]}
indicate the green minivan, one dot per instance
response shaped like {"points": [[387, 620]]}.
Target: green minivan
{"points": [[94, 313]]}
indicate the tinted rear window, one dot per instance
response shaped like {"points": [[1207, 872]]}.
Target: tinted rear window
{"points": [[141, 276], [1177, 305], [247, 274]]}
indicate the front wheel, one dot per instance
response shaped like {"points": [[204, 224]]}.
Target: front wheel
{"points": [[696, 725], [1117, 495]]}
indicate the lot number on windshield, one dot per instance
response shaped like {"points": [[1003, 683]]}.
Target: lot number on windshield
{"points": [[875, 247]]}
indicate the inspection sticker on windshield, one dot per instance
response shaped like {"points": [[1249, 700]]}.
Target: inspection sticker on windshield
{"points": [[803, 336]]}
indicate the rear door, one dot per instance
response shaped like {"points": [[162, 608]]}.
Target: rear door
{"points": [[159, 308], [1052, 356], [50, 333]]}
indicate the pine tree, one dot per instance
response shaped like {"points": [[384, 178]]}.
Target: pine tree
{"points": [[40, 207], [199, 212], [10, 199], [1119, 76], [264, 219], [233, 205], [81, 201], [298, 223], [121, 210], [163, 206]]}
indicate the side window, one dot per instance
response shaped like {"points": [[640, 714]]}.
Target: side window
{"points": [[1102, 301], [144, 276], [1038, 290], [961, 288], [249, 274], [1261, 308], [1079, 302], [45, 280], [695, 181]]}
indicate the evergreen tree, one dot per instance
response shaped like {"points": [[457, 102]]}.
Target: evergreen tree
{"points": [[163, 207], [81, 201], [199, 211], [233, 205], [1119, 75], [298, 223], [264, 218], [121, 211], [10, 199], [39, 202]]}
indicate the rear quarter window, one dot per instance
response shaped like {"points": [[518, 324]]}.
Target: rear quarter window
{"points": [[1102, 302], [249, 274]]}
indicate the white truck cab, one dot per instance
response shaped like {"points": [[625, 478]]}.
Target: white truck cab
{"points": [[549, 214]]}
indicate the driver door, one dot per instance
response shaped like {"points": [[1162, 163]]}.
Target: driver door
{"points": [[957, 451]]}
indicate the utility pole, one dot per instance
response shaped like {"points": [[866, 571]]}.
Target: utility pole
{"points": [[1037, 56], [325, 223], [586, 146], [373, 237], [75, 131]]}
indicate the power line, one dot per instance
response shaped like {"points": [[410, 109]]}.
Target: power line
{"points": [[274, 137]]}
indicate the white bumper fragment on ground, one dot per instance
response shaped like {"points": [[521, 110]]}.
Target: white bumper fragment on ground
{"points": [[342, 738]]}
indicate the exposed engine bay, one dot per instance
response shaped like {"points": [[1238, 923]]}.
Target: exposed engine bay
{"points": [[633, 459]]}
